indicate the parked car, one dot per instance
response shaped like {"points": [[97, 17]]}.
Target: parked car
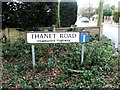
{"points": [[84, 19]]}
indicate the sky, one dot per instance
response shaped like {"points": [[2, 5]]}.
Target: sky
{"points": [[95, 3]]}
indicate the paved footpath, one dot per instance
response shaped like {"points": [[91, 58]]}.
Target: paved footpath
{"points": [[112, 31]]}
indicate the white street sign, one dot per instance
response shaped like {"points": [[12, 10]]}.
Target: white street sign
{"points": [[57, 37], [53, 37]]}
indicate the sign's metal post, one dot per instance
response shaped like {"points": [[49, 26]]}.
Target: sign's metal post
{"points": [[54, 28], [33, 55], [82, 55], [83, 46], [84, 37]]}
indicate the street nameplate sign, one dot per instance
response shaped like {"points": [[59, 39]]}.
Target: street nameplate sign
{"points": [[57, 37], [53, 37]]}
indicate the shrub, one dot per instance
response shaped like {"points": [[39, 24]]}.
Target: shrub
{"points": [[57, 65], [18, 49], [116, 15], [95, 54]]}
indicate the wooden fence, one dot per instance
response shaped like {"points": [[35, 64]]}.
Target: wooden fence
{"points": [[12, 34]]}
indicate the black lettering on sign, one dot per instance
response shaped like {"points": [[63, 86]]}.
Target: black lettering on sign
{"points": [[35, 36], [74, 35], [40, 36], [46, 36], [54, 35], [61, 36], [32, 36], [67, 35]]}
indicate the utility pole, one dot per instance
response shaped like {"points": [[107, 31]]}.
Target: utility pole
{"points": [[100, 13], [58, 13], [89, 11], [1, 55]]}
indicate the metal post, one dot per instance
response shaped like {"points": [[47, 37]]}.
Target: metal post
{"points": [[33, 55], [7, 33], [54, 28], [82, 55]]}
